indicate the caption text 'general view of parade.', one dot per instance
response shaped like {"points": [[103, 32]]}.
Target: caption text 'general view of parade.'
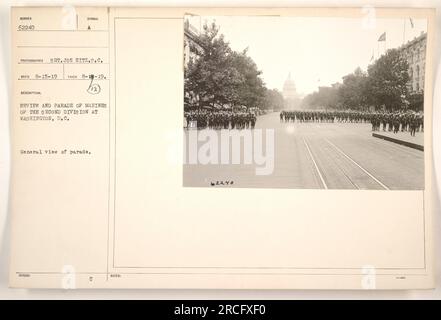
{"points": [[365, 131]]}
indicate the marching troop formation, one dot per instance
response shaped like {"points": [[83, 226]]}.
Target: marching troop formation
{"points": [[410, 121], [202, 119], [405, 121], [324, 116]]}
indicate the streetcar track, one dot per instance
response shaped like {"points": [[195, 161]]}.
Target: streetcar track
{"points": [[358, 165], [325, 186], [391, 151], [349, 179], [331, 162], [337, 165]]}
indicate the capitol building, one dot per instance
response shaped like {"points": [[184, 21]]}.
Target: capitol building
{"points": [[289, 92]]}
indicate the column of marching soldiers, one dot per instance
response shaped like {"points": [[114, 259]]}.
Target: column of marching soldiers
{"points": [[409, 121], [202, 119]]}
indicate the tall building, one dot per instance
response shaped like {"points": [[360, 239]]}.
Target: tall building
{"points": [[414, 52], [289, 88], [290, 95], [192, 48]]}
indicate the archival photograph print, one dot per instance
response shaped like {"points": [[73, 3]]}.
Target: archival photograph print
{"points": [[304, 102]]}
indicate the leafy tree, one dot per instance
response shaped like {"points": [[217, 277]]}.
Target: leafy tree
{"points": [[211, 77], [251, 91], [353, 92], [273, 100], [324, 98], [221, 76], [387, 81], [383, 86]]}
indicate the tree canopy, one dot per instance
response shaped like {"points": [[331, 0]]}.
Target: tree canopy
{"points": [[222, 77], [387, 81], [383, 86]]}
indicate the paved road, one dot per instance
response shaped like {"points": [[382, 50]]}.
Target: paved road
{"points": [[322, 156]]}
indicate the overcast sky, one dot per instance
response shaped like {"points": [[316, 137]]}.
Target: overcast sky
{"points": [[317, 51]]}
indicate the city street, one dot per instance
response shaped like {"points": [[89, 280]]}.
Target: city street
{"points": [[322, 156]]}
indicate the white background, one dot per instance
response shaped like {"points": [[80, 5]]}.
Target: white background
{"points": [[6, 293]]}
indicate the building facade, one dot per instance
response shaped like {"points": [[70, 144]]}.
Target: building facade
{"points": [[192, 48], [414, 52]]}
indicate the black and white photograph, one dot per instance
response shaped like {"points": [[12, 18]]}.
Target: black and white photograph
{"points": [[304, 102], [235, 151]]}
